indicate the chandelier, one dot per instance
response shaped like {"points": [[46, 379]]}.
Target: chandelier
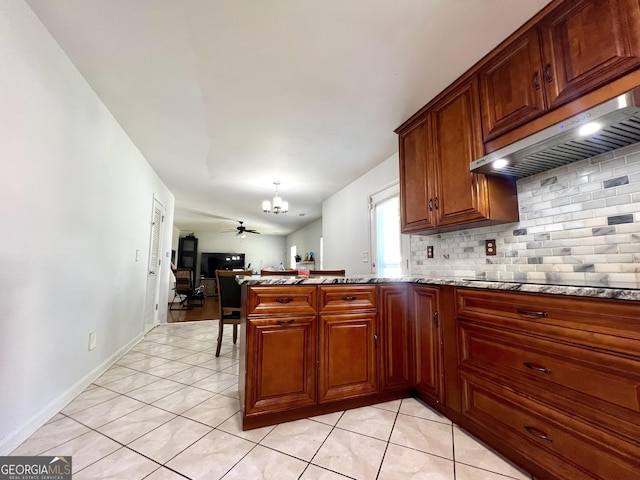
{"points": [[279, 205]]}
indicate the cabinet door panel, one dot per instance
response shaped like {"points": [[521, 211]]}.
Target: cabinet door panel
{"points": [[511, 87], [414, 178], [396, 338], [588, 43], [461, 195], [348, 356], [428, 343], [283, 352]]}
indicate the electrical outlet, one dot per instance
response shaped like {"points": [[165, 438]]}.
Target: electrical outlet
{"points": [[430, 251], [92, 340], [490, 247]]}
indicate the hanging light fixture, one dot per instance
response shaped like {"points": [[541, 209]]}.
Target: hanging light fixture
{"points": [[279, 205]]}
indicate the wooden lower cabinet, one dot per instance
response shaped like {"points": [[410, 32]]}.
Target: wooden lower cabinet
{"points": [[348, 359], [428, 343], [283, 353], [396, 333], [556, 379], [550, 381]]}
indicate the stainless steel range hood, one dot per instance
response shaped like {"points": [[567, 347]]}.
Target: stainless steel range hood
{"points": [[563, 143]]}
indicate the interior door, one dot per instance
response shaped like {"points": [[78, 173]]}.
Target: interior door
{"points": [[153, 268]]}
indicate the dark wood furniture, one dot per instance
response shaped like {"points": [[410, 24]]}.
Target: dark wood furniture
{"points": [[188, 255], [229, 302]]}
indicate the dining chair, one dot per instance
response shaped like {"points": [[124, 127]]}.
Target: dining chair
{"points": [[327, 273], [229, 301], [183, 290], [292, 273]]}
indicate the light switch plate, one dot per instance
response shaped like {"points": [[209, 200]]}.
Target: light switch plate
{"points": [[92, 340]]}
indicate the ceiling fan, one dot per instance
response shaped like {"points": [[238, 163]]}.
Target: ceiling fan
{"points": [[241, 230]]}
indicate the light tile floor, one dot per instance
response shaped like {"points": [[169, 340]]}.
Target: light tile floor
{"points": [[169, 410]]}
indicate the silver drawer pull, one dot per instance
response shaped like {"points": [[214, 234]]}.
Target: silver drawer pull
{"points": [[531, 313], [348, 299], [285, 322], [284, 300], [537, 368], [538, 433]]}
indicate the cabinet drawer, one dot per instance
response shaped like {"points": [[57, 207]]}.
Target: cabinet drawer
{"points": [[343, 298], [566, 447], [599, 323], [281, 300], [605, 376]]}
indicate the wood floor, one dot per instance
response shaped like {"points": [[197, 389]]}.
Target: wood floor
{"points": [[208, 312]]}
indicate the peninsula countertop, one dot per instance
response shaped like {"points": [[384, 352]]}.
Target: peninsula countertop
{"points": [[614, 290]]}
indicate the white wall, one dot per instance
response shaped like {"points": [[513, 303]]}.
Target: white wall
{"points": [[76, 201], [345, 219], [260, 250], [307, 239]]}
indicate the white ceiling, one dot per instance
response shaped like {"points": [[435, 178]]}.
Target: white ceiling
{"points": [[224, 97]]}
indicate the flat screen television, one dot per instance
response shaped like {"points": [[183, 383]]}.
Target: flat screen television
{"points": [[210, 262]]}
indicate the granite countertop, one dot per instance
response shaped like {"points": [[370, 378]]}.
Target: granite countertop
{"points": [[620, 291]]}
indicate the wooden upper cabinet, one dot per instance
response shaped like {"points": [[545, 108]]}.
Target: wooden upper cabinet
{"points": [[588, 43], [437, 190], [511, 87], [577, 47], [414, 177], [459, 196]]}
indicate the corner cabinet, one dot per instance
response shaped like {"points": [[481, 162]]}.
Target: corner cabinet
{"points": [[576, 48], [437, 190]]}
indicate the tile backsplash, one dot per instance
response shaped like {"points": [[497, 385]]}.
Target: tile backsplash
{"points": [[577, 222]]}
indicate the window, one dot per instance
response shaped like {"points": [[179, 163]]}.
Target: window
{"points": [[390, 248]]}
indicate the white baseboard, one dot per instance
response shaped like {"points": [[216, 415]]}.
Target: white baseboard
{"points": [[24, 431]]}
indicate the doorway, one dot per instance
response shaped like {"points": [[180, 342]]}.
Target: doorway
{"points": [[153, 267]]}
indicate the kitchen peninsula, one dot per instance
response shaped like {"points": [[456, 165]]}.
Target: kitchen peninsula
{"points": [[549, 375]]}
